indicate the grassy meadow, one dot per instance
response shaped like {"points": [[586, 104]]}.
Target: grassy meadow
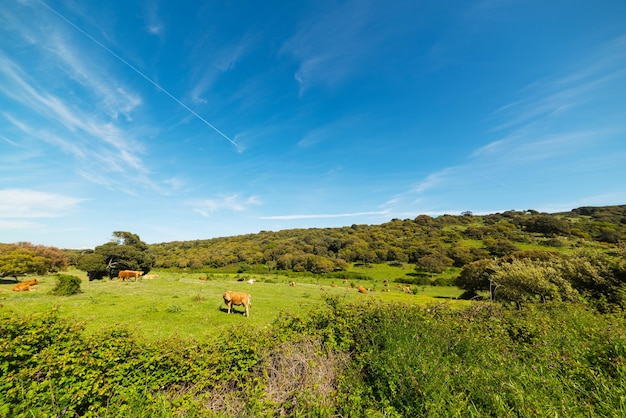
{"points": [[165, 347], [179, 304]]}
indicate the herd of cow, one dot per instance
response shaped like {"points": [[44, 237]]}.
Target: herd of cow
{"points": [[230, 298]]}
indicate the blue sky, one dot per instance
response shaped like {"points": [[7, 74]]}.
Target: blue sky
{"points": [[191, 120]]}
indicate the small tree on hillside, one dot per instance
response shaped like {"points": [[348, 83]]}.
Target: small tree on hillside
{"points": [[476, 276], [529, 281], [433, 263]]}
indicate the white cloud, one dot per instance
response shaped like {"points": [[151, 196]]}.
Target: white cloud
{"points": [[329, 47], [208, 68], [18, 225], [74, 130], [542, 136], [552, 97], [232, 202], [325, 216], [154, 24], [22, 203]]}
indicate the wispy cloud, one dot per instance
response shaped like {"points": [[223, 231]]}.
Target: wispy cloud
{"points": [[330, 48], [113, 97], [550, 98], [330, 132], [22, 203], [231, 202], [154, 24], [71, 127], [542, 134], [325, 216], [18, 225], [209, 60]]}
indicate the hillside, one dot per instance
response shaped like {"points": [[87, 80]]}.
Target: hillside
{"points": [[433, 243]]}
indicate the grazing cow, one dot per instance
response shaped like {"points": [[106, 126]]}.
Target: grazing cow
{"points": [[150, 276], [127, 274], [238, 298], [25, 286], [333, 285], [201, 278], [361, 289], [292, 284]]}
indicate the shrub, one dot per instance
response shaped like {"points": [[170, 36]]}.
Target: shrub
{"points": [[66, 285], [341, 359]]}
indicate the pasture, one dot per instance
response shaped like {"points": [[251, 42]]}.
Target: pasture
{"points": [[298, 355], [181, 305]]}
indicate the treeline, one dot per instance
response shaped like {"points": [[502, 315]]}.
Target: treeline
{"points": [[433, 244], [24, 258]]}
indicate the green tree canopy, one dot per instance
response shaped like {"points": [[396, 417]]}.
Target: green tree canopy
{"points": [[525, 280], [125, 251], [25, 258]]}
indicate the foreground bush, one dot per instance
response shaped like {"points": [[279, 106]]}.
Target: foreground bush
{"points": [[349, 360], [547, 360]]}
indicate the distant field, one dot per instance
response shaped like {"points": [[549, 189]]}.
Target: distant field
{"points": [[181, 304]]}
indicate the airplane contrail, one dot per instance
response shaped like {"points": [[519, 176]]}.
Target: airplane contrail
{"points": [[129, 65]]}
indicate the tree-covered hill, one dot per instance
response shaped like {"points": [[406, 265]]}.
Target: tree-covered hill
{"points": [[432, 243]]}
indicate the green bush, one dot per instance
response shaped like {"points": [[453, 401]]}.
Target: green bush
{"points": [[66, 285], [362, 359]]}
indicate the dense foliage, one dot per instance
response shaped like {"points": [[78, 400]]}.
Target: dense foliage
{"points": [[535, 276], [431, 244], [125, 252], [25, 258], [361, 359], [66, 285]]}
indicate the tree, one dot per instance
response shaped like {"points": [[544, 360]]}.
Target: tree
{"points": [[476, 276], [24, 258], [525, 280], [500, 247], [549, 225], [433, 263], [94, 264], [599, 277], [460, 255], [125, 252]]}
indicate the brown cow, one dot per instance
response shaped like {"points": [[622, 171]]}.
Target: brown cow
{"points": [[361, 289], [127, 274], [292, 284], [202, 278], [25, 286], [238, 298]]}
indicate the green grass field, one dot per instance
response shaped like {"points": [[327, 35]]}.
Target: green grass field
{"points": [[179, 304]]}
